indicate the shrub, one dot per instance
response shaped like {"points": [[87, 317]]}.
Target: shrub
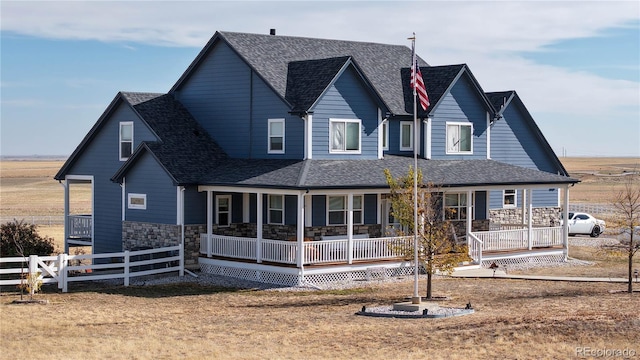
{"points": [[22, 239]]}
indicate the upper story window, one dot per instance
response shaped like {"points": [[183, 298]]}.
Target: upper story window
{"points": [[276, 136], [459, 139], [337, 210], [126, 139], [509, 198], [223, 210], [276, 209], [344, 136], [406, 135], [385, 135]]}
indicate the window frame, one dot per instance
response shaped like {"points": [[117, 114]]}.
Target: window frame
{"points": [[385, 135], [457, 207], [131, 205], [508, 193], [270, 209], [344, 150], [458, 125], [228, 211], [121, 141], [345, 210], [271, 136], [411, 135]]}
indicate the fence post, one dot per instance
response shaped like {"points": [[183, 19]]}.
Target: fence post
{"points": [[61, 271], [126, 268], [181, 252], [33, 270]]}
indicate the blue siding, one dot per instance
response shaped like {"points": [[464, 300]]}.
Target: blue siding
{"points": [[233, 105], [346, 99], [195, 206], [540, 198], [148, 177], [513, 141], [100, 158], [462, 104]]}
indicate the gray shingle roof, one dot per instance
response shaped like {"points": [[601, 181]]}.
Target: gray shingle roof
{"points": [[335, 174], [185, 149], [270, 56], [307, 80]]}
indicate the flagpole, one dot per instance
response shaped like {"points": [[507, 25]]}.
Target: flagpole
{"points": [[416, 297]]}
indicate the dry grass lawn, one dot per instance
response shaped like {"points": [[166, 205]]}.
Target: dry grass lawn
{"points": [[514, 319]]}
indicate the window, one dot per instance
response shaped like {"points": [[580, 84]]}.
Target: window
{"points": [[344, 136], [385, 135], [337, 210], [406, 135], [455, 206], [509, 198], [126, 140], [137, 201], [276, 136], [276, 209], [459, 138], [223, 210]]}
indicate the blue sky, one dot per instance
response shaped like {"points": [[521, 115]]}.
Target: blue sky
{"points": [[575, 64]]}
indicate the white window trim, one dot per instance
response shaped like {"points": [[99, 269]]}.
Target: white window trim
{"points": [[269, 208], [459, 124], [411, 135], [515, 198], [385, 135], [346, 209], [120, 141], [269, 136], [359, 122], [217, 218], [131, 205]]}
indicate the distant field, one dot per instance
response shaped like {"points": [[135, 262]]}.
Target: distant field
{"points": [[601, 178]]}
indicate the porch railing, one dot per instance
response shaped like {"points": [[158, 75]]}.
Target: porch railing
{"points": [[79, 226], [314, 252], [520, 239]]}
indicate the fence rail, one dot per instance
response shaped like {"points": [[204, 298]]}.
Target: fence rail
{"points": [[47, 220], [64, 268]]}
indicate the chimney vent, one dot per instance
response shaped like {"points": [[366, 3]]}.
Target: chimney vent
{"points": [[272, 32]]}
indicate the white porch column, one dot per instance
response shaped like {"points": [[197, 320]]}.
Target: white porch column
{"points": [[65, 185], [300, 230], [523, 205], [259, 227], [308, 136], [530, 217], [350, 228], [210, 213], [565, 222], [469, 211], [245, 207]]}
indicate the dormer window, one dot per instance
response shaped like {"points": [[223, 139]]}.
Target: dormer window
{"points": [[406, 136], [126, 139], [459, 139], [276, 136], [344, 136]]}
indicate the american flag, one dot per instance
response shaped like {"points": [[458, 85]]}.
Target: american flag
{"points": [[417, 82]]}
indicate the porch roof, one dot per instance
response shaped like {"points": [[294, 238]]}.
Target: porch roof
{"points": [[354, 174]]}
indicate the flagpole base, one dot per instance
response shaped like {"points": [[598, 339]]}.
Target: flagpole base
{"points": [[415, 300]]}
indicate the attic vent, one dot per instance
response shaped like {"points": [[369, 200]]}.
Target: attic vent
{"points": [[272, 31]]}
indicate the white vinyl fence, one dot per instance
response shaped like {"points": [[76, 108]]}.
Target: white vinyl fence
{"points": [[63, 269]]}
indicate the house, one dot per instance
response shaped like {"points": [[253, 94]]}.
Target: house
{"points": [[266, 160]]}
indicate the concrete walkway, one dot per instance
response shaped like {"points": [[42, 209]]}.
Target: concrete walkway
{"points": [[488, 273]]}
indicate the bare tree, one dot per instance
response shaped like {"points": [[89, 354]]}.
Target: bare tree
{"points": [[627, 219], [438, 250]]}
